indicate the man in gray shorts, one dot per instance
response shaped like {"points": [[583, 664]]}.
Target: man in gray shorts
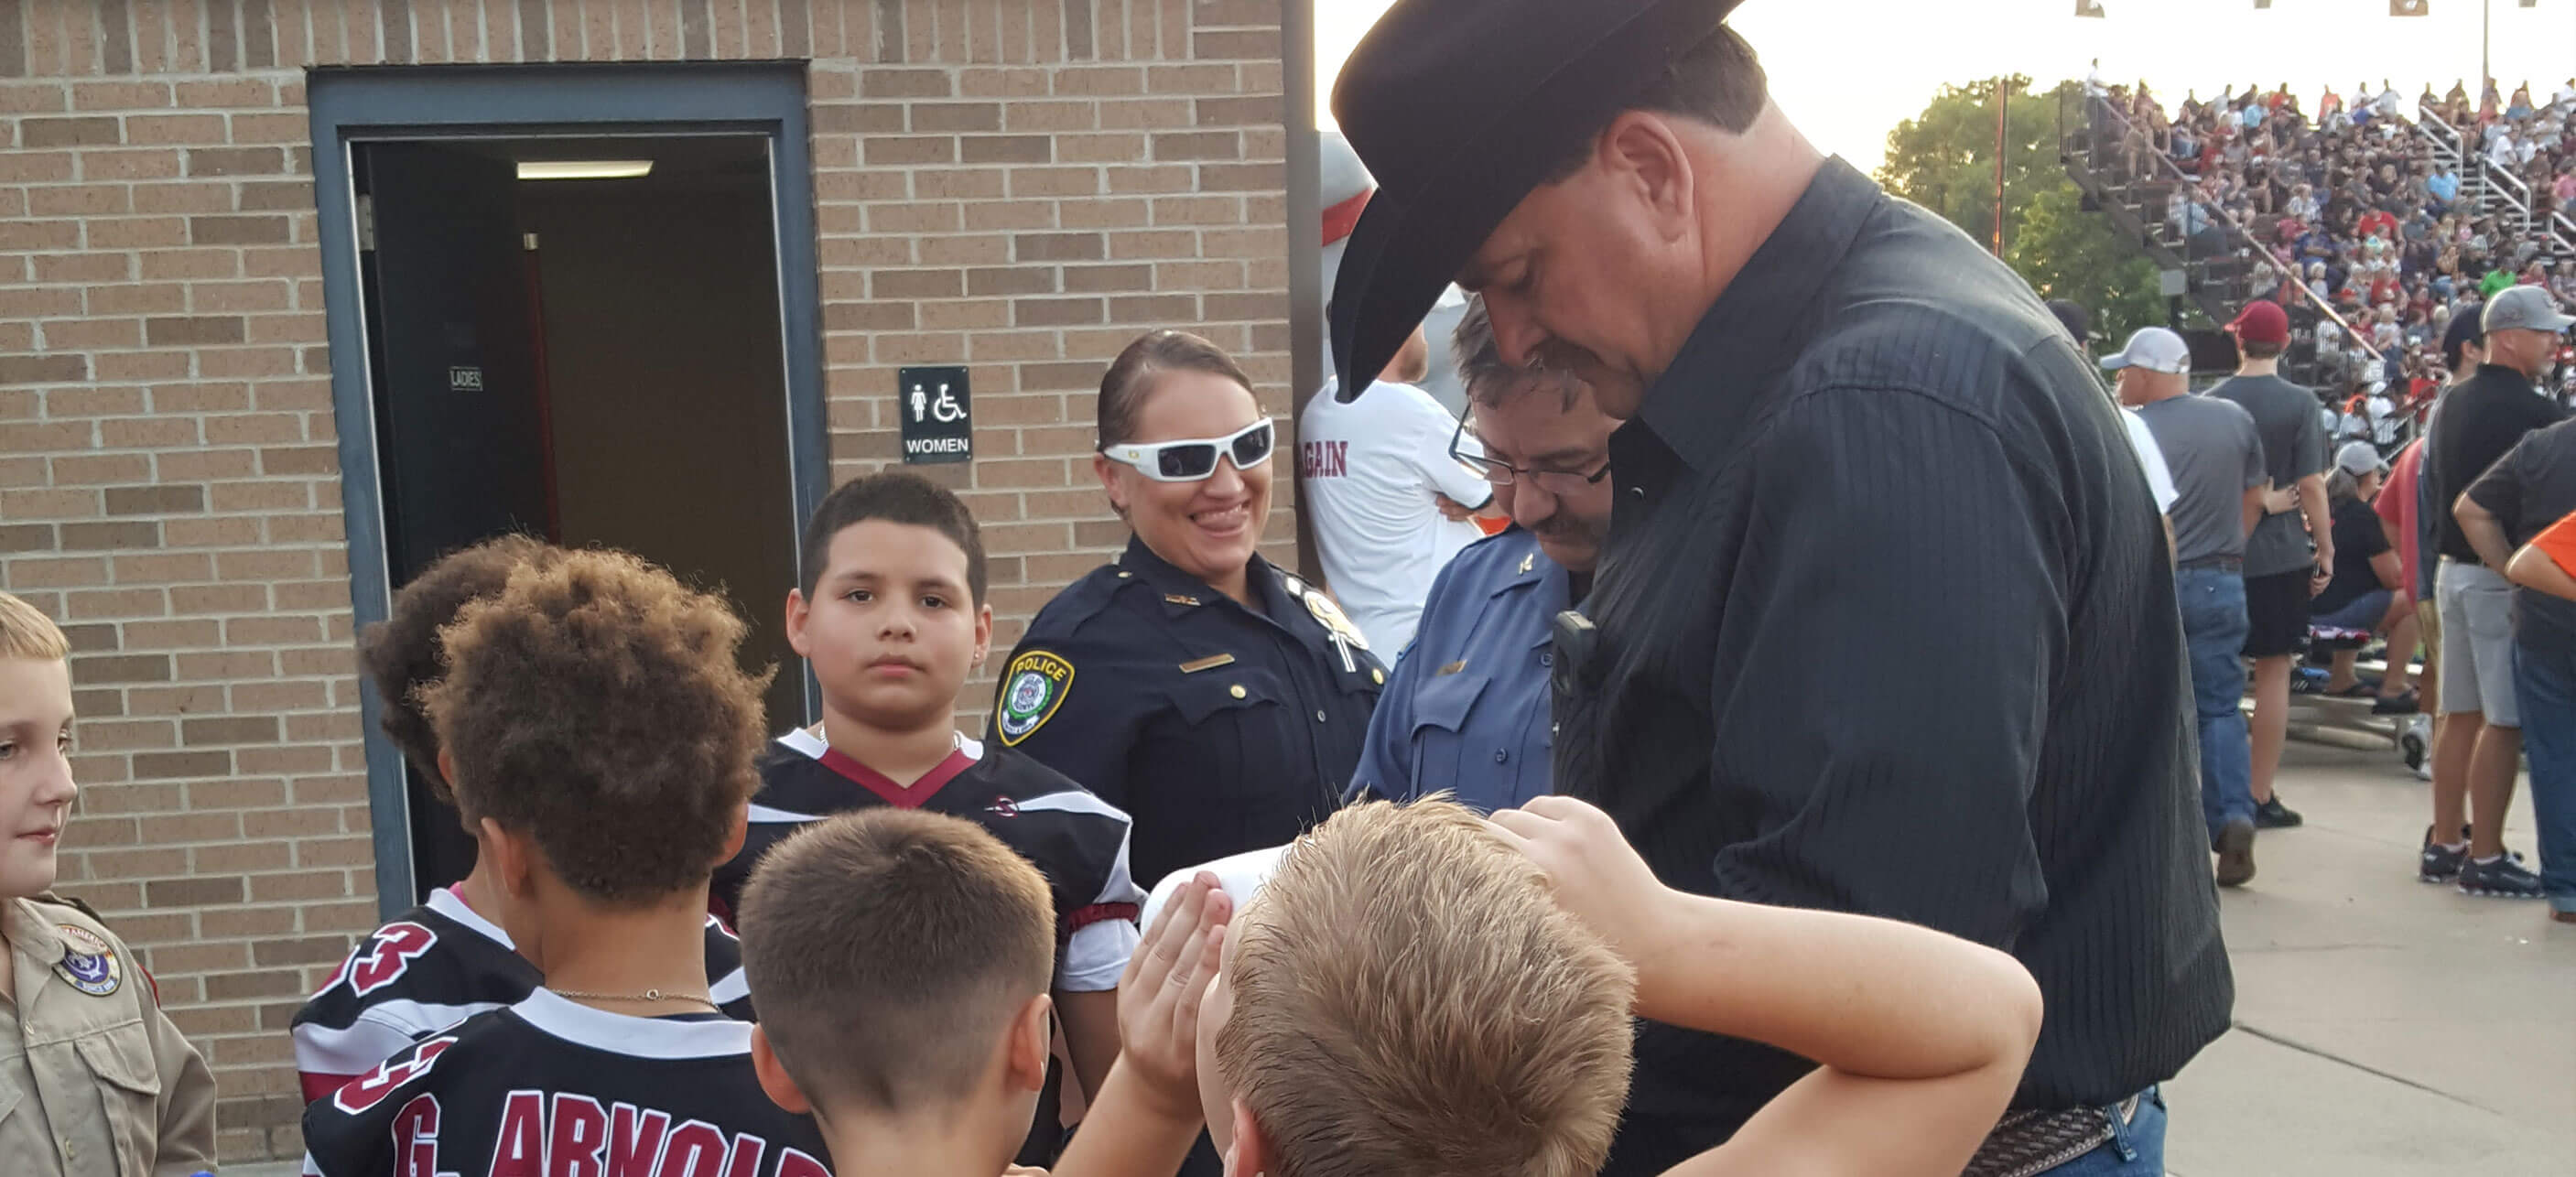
{"points": [[2480, 420]]}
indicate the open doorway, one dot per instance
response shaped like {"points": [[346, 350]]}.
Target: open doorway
{"points": [[579, 339]]}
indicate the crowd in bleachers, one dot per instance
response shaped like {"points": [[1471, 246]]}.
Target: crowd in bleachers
{"points": [[2354, 204]]}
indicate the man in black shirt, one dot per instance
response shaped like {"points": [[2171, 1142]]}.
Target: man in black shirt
{"points": [[1839, 408], [2477, 422]]}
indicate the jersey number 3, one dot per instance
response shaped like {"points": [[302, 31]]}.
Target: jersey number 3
{"points": [[370, 1089], [394, 948]]}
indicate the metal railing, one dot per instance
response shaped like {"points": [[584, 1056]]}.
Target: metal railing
{"points": [[2097, 109], [2495, 185]]}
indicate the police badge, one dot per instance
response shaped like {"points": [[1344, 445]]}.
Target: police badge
{"points": [[88, 964], [1032, 688]]}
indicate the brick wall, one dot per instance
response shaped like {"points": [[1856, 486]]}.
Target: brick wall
{"points": [[1019, 185]]}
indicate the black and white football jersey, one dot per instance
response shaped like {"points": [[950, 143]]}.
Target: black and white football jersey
{"points": [[1075, 839], [438, 965], [548, 1086]]}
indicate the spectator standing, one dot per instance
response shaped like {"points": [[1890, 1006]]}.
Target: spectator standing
{"points": [[2217, 463], [2481, 420], [2463, 350], [1389, 504], [1804, 362], [2527, 490], [2281, 573]]}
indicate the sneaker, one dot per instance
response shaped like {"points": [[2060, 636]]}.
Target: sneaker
{"points": [[2440, 864], [2562, 915], [2272, 815], [2505, 878], [2235, 847]]}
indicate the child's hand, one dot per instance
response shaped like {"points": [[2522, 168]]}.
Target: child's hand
{"points": [[1598, 877], [1159, 994]]}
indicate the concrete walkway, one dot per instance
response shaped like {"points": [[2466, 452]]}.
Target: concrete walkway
{"points": [[2382, 1026]]}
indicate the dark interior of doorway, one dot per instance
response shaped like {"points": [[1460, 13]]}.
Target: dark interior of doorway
{"points": [[591, 361]]}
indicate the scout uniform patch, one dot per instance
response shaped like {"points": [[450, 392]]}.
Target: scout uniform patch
{"points": [[88, 964], [1032, 688]]}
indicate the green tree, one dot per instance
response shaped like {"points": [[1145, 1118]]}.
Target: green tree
{"points": [[1944, 160]]}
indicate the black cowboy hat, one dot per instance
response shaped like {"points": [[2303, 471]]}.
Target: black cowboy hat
{"points": [[1459, 108]]}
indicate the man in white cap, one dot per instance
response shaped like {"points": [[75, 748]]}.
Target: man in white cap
{"points": [[2216, 458], [2481, 419]]}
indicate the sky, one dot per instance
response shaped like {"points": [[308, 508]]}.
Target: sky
{"points": [[1847, 92]]}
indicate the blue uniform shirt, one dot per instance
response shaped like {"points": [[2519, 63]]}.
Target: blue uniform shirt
{"points": [[1467, 709], [1218, 729]]}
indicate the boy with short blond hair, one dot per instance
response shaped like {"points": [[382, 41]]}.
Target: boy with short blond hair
{"points": [[97, 1078], [1415, 992], [885, 908]]}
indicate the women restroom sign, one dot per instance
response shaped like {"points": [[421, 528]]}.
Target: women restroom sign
{"points": [[936, 424]]}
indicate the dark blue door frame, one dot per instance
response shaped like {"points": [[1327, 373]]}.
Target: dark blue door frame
{"points": [[351, 106]]}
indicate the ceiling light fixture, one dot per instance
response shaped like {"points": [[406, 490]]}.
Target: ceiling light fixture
{"points": [[584, 169]]}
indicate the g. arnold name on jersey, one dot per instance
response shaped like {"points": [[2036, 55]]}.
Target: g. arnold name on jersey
{"points": [[562, 1134]]}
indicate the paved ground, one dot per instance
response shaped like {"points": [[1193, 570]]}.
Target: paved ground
{"points": [[2382, 1026]]}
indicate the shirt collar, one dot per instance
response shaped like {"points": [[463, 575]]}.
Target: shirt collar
{"points": [[1181, 591], [30, 934], [1762, 319]]}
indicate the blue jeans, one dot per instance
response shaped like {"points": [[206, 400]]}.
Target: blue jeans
{"points": [[2213, 627], [2544, 685], [2136, 1148]]}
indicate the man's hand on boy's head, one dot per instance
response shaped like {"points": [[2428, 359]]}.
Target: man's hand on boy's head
{"points": [[1597, 876], [1160, 993]]}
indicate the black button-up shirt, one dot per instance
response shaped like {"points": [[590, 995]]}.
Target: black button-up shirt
{"points": [[1887, 625]]}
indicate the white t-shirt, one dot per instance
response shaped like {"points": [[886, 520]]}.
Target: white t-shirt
{"points": [[1368, 471], [2160, 481]]}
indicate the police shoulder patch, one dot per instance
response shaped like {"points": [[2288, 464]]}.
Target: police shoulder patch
{"points": [[1033, 686], [89, 964]]}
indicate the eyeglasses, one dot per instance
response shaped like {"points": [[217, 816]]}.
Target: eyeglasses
{"points": [[1191, 459], [1502, 473]]}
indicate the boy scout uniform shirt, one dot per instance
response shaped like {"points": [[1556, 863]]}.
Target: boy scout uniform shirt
{"points": [[95, 1081], [1217, 729], [1467, 707], [437, 965]]}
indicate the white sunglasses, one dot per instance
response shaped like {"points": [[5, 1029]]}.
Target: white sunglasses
{"points": [[1191, 459]]}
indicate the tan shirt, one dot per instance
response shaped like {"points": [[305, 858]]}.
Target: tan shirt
{"points": [[95, 1081]]}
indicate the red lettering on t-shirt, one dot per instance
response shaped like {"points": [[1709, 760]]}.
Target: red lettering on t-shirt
{"points": [[576, 1137], [635, 1140], [743, 1160], [416, 1138], [519, 1149], [695, 1149]]}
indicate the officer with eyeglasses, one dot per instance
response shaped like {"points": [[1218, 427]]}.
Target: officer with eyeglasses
{"points": [[1467, 708], [1219, 700]]}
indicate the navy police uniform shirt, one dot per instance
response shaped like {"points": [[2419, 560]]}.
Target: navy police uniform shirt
{"points": [[1216, 728], [1467, 708]]}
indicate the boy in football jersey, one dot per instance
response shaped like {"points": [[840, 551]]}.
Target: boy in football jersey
{"points": [[1523, 947], [887, 908], [598, 733], [446, 959], [891, 617]]}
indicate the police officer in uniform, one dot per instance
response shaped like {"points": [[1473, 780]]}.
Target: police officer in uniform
{"points": [[1219, 700]]}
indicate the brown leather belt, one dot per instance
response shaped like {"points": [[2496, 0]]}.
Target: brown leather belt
{"points": [[2027, 1143]]}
